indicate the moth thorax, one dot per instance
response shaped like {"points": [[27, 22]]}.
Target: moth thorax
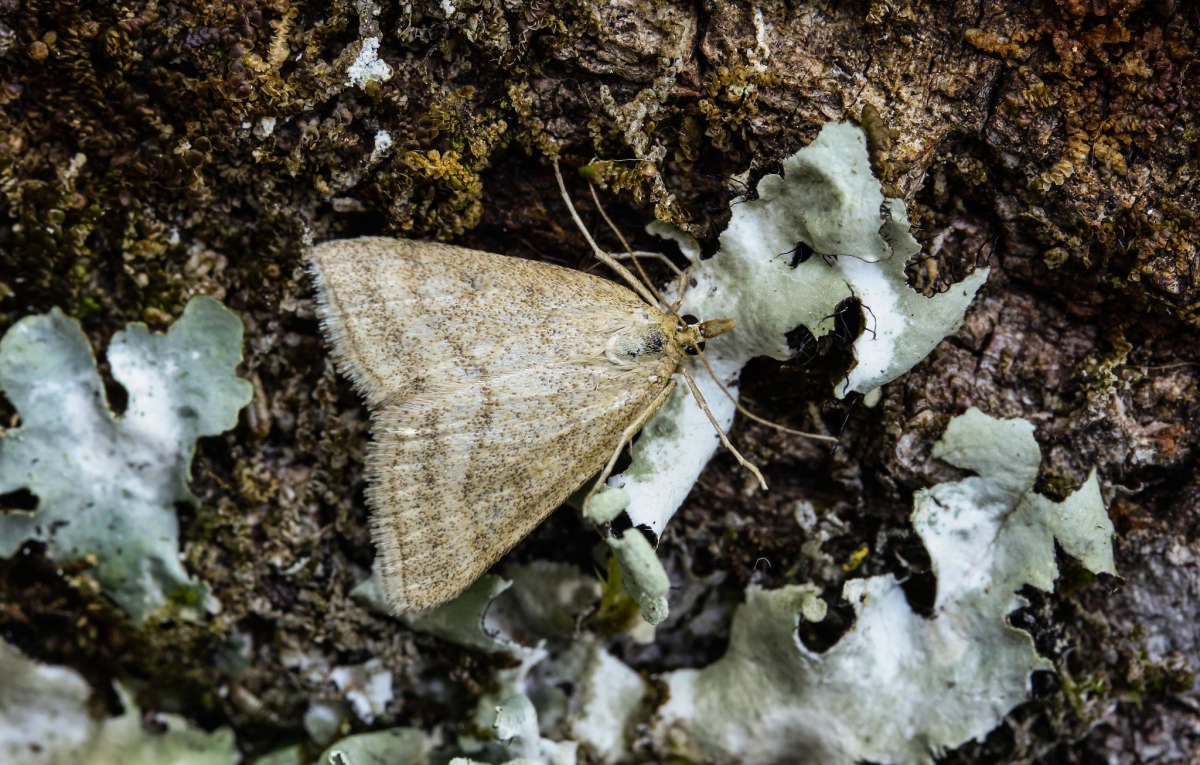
{"points": [[633, 346]]}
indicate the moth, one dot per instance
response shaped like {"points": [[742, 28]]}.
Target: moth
{"points": [[497, 386]]}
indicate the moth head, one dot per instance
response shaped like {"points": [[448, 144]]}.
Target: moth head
{"points": [[691, 334]]}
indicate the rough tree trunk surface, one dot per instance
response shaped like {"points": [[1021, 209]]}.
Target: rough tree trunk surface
{"points": [[151, 151]]}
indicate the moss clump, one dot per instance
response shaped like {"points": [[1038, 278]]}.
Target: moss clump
{"points": [[432, 192], [1095, 109], [617, 610]]}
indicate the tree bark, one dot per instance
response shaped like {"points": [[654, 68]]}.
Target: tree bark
{"points": [[151, 151]]}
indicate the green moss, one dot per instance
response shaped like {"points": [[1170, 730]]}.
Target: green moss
{"points": [[617, 610]]}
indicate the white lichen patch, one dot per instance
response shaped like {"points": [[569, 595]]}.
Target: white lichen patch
{"points": [[45, 720], [482, 619], [464, 620], [367, 687], [605, 705], [899, 687], [828, 205], [42, 709], [383, 142], [533, 619], [324, 719], [107, 486], [509, 713], [367, 66]]}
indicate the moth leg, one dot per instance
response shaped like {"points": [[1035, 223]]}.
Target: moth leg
{"points": [[626, 438], [717, 427]]}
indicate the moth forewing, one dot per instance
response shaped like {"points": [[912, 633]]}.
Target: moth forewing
{"points": [[497, 386]]}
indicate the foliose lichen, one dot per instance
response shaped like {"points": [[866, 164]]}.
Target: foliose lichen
{"points": [[45, 720], [107, 486], [900, 687], [818, 234]]}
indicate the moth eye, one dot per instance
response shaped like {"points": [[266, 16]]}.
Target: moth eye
{"points": [[689, 320], [691, 349]]}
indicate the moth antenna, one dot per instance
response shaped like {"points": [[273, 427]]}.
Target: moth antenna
{"points": [[650, 255], [600, 254], [747, 413], [650, 296], [674, 312], [672, 308], [647, 254], [720, 432], [628, 250], [632, 254], [680, 276], [635, 254], [641, 289]]}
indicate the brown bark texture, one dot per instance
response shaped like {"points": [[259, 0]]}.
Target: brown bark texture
{"points": [[151, 150]]}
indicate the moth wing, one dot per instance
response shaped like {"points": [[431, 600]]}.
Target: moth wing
{"points": [[403, 317], [460, 476], [491, 395]]}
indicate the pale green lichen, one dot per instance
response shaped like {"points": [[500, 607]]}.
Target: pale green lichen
{"points": [[525, 714], [899, 687], [605, 708], [107, 485], [324, 719], [45, 720], [398, 746], [828, 201], [288, 755], [643, 574], [461, 621], [505, 720], [509, 713]]}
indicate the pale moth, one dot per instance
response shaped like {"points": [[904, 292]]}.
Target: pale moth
{"points": [[497, 387]]}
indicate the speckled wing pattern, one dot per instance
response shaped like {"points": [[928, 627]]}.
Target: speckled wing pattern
{"points": [[491, 393]]}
